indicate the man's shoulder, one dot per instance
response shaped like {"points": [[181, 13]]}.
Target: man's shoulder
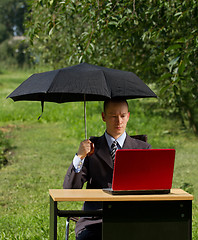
{"points": [[137, 143]]}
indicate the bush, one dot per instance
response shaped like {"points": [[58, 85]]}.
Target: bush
{"points": [[14, 53]]}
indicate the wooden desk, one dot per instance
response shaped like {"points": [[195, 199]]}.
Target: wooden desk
{"points": [[156, 217]]}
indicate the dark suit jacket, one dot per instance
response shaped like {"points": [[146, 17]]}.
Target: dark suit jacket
{"points": [[97, 171]]}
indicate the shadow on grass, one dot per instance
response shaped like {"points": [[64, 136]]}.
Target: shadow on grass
{"points": [[5, 148]]}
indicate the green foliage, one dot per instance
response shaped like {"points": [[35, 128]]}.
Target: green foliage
{"points": [[11, 18], [155, 39], [3, 32], [14, 53]]}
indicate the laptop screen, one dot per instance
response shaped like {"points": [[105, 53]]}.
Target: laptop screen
{"points": [[143, 169]]}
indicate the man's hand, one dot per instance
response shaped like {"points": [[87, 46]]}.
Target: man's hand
{"points": [[86, 148]]}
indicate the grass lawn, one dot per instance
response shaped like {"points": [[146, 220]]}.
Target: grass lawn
{"points": [[42, 151]]}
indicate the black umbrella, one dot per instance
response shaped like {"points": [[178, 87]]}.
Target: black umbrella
{"points": [[82, 82]]}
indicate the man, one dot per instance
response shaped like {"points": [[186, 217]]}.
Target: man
{"points": [[93, 163]]}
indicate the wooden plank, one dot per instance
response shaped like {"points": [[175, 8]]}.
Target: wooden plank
{"points": [[100, 195]]}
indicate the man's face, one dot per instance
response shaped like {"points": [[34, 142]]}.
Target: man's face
{"points": [[116, 117]]}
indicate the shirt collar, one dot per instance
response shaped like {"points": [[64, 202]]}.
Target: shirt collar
{"points": [[120, 140]]}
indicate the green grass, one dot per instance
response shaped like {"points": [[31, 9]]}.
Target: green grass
{"points": [[42, 151]]}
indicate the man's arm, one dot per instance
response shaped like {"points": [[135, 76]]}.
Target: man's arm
{"points": [[74, 180], [77, 173]]}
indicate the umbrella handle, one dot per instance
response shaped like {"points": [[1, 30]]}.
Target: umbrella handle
{"points": [[92, 150]]}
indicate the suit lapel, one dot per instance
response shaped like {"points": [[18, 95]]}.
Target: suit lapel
{"points": [[103, 151], [128, 143]]}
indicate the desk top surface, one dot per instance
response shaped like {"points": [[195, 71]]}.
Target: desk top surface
{"points": [[61, 195]]}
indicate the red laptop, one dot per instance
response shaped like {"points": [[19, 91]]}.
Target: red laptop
{"points": [[143, 171]]}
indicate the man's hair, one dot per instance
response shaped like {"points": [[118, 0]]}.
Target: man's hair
{"points": [[114, 100]]}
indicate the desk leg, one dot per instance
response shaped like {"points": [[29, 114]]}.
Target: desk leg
{"points": [[53, 219], [154, 220]]}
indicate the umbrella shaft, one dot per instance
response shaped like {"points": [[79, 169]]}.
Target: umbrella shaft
{"points": [[85, 116]]}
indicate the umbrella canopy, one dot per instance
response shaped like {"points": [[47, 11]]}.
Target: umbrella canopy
{"points": [[81, 82]]}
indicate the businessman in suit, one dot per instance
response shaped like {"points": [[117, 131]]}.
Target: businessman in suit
{"points": [[93, 163]]}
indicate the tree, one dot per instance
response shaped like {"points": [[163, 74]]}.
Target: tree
{"points": [[13, 50], [11, 18], [156, 39]]}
